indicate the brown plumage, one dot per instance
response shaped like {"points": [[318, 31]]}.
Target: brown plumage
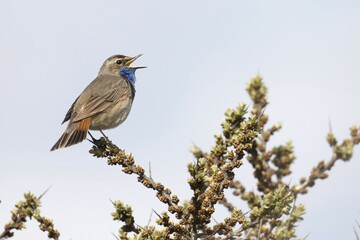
{"points": [[75, 133], [105, 103]]}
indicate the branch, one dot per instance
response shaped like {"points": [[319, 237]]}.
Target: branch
{"points": [[343, 151], [104, 148], [29, 209]]}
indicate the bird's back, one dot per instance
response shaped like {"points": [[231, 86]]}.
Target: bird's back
{"points": [[105, 102]]}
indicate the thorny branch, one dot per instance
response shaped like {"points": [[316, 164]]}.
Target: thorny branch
{"points": [[272, 212], [343, 151], [28, 209]]}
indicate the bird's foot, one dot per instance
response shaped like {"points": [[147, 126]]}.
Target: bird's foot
{"points": [[106, 138], [100, 143]]}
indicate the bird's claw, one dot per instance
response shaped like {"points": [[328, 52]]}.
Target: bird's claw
{"points": [[97, 142]]}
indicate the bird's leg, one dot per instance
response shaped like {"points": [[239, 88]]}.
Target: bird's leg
{"points": [[107, 139], [96, 142], [102, 142], [93, 140]]}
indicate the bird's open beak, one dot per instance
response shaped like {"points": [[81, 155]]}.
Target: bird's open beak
{"points": [[132, 60]]}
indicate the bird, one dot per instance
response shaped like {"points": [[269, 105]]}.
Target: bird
{"points": [[104, 104]]}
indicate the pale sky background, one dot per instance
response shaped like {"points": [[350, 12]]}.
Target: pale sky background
{"points": [[200, 56]]}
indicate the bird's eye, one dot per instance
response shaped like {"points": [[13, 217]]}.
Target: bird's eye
{"points": [[119, 62]]}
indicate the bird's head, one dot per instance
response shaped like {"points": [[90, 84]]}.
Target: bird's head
{"points": [[115, 63]]}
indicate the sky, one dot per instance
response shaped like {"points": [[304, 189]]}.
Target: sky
{"points": [[200, 56]]}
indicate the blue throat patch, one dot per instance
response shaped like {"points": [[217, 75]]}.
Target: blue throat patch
{"points": [[129, 74]]}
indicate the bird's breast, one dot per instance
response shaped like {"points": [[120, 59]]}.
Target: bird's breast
{"points": [[112, 116]]}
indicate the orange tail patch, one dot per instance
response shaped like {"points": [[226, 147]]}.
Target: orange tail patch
{"points": [[84, 125], [75, 133]]}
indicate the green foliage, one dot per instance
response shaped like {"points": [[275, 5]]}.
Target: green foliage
{"points": [[244, 139], [28, 209], [123, 213]]}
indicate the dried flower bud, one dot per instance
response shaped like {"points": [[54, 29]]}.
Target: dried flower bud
{"points": [[127, 170], [130, 160], [323, 176], [162, 198], [145, 182], [159, 187], [266, 137], [331, 139], [167, 191], [175, 199], [354, 131], [302, 180], [139, 170]]}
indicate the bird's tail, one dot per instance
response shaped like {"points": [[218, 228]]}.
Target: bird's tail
{"points": [[75, 132]]}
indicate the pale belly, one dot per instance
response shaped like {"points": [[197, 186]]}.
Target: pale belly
{"points": [[111, 117]]}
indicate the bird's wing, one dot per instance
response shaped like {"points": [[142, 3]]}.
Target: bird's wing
{"points": [[107, 95], [69, 112]]}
